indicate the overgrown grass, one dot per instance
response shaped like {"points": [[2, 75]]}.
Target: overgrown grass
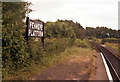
{"points": [[38, 55], [82, 43], [110, 40], [96, 40], [112, 45], [47, 57], [86, 55], [83, 56]]}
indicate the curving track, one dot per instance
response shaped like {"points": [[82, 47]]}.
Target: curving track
{"points": [[112, 60]]}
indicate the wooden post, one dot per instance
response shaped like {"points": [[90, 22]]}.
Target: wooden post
{"points": [[27, 26], [43, 35]]}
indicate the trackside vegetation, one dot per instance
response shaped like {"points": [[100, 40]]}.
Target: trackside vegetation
{"points": [[19, 55], [110, 40]]}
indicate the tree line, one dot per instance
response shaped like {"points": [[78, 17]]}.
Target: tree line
{"points": [[55, 29], [101, 32]]}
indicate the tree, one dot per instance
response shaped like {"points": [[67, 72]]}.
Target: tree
{"points": [[78, 29], [58, 29], [101, 32], [14, 52], [90, 32]]}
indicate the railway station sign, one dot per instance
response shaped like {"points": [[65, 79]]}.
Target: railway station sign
{"points": [[35, 28]]}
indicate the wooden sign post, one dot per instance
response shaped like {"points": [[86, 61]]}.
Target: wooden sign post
{"points": [[35, 29]]}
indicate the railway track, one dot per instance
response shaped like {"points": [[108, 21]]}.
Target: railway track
{"points": [[112, 60]]}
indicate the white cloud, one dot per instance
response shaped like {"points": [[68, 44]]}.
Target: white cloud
{"points": [[86, 12]]}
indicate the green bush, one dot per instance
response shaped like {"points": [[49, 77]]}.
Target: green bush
{"points": [[19, 54], [51, 47], [57, 45], [58, 30], [81, 43], [14, 47], [110, 40]]}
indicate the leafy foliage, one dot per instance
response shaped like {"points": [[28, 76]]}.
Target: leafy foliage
{"points": [[101, 32], [81, 43], [14, 49], [64, 28], [19, 54], [110, 40]]}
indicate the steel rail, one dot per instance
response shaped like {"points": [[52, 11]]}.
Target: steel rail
{"points": [[106, 52], [111, 66], [112, 53]]}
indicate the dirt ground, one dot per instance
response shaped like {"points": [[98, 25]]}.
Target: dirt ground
{"points": [[76, 68], [83, 66]]}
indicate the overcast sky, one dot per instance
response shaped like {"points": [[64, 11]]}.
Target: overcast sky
{"points": [[90, 13]]}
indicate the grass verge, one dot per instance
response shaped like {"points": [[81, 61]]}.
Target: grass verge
{"points": [[86, 56], [112, 45]]}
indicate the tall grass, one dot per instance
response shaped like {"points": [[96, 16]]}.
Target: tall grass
{"points": [[82, 43]]}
